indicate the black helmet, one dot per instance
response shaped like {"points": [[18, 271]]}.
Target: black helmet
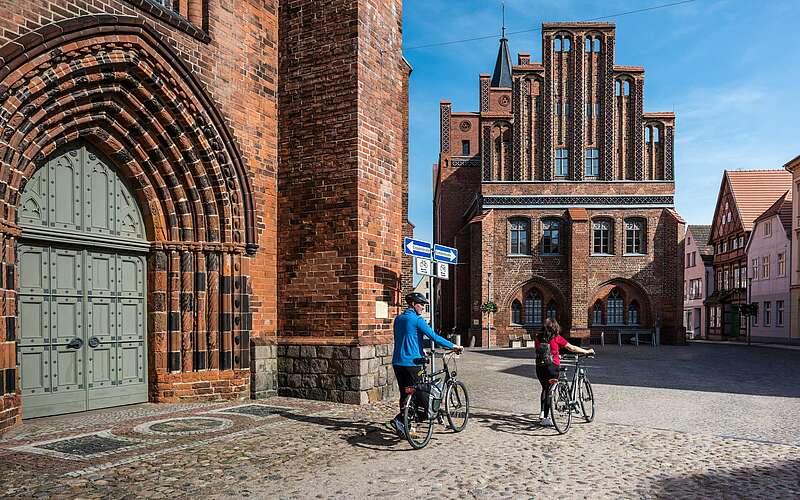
{"points": [[416, 298]]}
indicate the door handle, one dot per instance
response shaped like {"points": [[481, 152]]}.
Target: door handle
{"points": [[94, 342], [75, 343]]}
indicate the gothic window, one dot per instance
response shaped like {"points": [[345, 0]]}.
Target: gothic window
{"points": [[565, 45], [519, 237], [562, 162], [588, 45], [615, 307], [597, 313], [626, 88], [465, 148], [557, 44], [602, 230], [551, 310], [647, 135], [551, 237], [617, 88], [516, 313], [533, 308], [635, 236], [597, 45], [655, 134], [592, 162], [633, 313]]}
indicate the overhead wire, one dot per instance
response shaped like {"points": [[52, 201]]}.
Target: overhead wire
{"points": [[599, 18]]}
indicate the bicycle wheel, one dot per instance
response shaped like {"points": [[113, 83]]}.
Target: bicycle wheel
{"points": [[586, 398], [560, 408], [456, 405], [418, 425]]}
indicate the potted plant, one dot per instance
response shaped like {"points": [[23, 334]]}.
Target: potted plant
{"points": [[489, 307]]}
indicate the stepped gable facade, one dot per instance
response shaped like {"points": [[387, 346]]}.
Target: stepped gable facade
{"points": [[168, 232], [559, 194]]}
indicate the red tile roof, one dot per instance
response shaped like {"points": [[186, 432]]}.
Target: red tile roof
{"points": [[756, 190], [783, 209]]}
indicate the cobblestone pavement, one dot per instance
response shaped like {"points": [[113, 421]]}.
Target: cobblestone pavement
{"points": [[288, 448]]}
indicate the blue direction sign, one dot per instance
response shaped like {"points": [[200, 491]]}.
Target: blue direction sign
{"points": [[417, 248], [442, 253]]}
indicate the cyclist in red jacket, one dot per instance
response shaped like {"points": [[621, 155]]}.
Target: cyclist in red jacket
{"points": [[548, 343]]}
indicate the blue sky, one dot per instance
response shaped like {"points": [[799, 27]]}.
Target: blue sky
{"points": [[730, 69]]}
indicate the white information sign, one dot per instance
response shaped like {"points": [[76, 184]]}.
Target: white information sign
{"points": [[442, 270], [424, 266]]}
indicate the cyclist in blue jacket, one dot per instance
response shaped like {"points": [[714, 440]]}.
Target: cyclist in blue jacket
{"points": [[409, 329]]}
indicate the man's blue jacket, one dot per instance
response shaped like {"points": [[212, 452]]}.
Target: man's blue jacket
{"points": [[409, 327]]}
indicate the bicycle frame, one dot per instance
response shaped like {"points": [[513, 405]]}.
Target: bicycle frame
{"points": [[578, 373]]}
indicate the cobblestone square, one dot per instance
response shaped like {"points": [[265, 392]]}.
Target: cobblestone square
{"points": [[701, 421]]}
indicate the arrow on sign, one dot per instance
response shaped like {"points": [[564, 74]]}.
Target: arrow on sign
{"points": [[417, 248], [442, 253]]}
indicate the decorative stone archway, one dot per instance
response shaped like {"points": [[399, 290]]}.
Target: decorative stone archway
{"points": [[112, 82], [630, 292]]}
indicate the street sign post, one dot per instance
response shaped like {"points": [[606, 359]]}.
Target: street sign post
{"points": [[445, 254], [442, 271], [424, 266], [417, 248]]}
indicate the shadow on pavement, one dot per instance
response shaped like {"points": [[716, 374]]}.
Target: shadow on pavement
{"points": [[520, 424], [696, 367], [781, 480], [358, 433]]}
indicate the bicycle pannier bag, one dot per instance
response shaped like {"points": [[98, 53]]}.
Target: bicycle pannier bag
{"points": [[544, 355]]}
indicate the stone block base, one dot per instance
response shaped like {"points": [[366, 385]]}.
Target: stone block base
{"points": [[263, 369], [344, 374], [10, 414]]}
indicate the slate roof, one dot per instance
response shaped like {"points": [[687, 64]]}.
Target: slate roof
{"points": [[502, 68], [702, 237]]}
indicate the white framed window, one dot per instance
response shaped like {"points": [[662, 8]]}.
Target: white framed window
{"points": [[551, 229], [778, 313], [755, 268], [767, 228], [635, 233], [519, 237], [767, 313], [781, 265], [601, 236], [765, 267], [562, 162]]}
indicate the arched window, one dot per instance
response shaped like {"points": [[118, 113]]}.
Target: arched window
{"points": [[647, 135], [519, 237], [633, 313], [627, 87], [551, 310], [597, 45], [655, 134], [615, 307], [565, 45], [501, 159], [557, 44], [617, 88], [533, 308], [635, 231], [602, 236], [588, 44], [551, 237], [516, 313], [597, 313]]}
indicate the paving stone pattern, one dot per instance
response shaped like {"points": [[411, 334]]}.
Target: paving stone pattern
{"points": [[330, 450]]}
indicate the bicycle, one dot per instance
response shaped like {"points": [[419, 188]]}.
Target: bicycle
{"points": [[422, 407], [568, 396]]}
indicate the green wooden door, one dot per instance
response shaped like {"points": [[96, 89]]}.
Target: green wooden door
{"points": [[82, 289]]}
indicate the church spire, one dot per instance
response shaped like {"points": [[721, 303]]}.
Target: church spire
{"points": [[502, 68]]}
